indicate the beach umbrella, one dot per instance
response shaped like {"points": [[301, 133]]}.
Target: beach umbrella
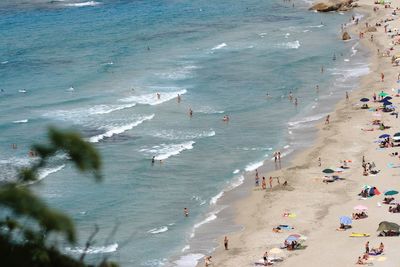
{"points": [[384, 136], [387, 98], [383, 94], [346, 220], [291, 238], [339, 170], [387, 103], [360, 208], [364, 99], [276, 251], [390, 192], [396, 136], [328, 171], [388, 226]]}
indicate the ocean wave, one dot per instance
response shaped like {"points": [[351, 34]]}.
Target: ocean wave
{"points": [[208, 110], [187, 247], [21, 121], [106, 109], [215, 198], [211, 217], [115, 130], [302, 122], [159, 230], [94, 250], [315, 26], [236, 171], [83, 4], [354, 50], [253, 166], [4, 62], [290, 45], [219, 46], [47, 171], [179, 74], [164, 151], [183, 135], [354, 72], [151, 99], [188, 260]]}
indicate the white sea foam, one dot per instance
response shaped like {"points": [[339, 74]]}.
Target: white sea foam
{"points": [[236, 171], [350, 73], [105, 109], [315, 26], [164, 151], [94, 249], [187, 247], [219, 46], [4, 62], [253, 166], [215, 198], [151, 99], [179, 73], [47, 171], [159, 230], [23, 91], [21, 121], [290, 45], [183, 135], [83, 4], [302, 122], [208, 110], [211, 217], [189, 260], [286, 147], [115, 130], [236, 182], [354, 50]]}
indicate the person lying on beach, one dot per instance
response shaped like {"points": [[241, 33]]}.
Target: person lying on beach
{"points": [[277, 229], [343, 227], [387, 200], [360, 261], [367, 130]]}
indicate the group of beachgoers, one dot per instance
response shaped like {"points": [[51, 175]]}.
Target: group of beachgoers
{"points": [[370, 252]]}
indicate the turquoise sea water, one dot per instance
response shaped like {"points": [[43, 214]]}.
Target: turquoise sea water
{"points": [[96, 67]]}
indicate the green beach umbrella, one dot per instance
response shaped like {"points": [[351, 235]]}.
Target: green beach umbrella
{"points": [[388, 226], [391, 192], [383, 94], [328, 171]]}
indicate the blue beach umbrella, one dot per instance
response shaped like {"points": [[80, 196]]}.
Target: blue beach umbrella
{"points": [[387, 98], [384, 136], [390, 192], [364, 99], [292, 238], [346, 220], [386, 103]]}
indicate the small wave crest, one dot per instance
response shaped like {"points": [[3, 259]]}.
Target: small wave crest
{"points": [[188, 260], [94, 250], [152, 99], [181, 135], [83, 4], [290, 45], [21, 121], [222, 45], [164, 151], [253, 166], [115, 130], [158, 230], [304, 121]]}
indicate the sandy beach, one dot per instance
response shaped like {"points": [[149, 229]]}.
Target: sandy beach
{"points": [[317, 205]]}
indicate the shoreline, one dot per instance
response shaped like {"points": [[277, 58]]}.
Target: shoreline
{"points": [[258, 212]]}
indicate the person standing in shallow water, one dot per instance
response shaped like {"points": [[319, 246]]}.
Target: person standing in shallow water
{"points": [[186, 212]]}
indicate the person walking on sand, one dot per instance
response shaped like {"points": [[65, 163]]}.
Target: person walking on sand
{"points": [[208, 261], [265, 257], [327, 119], [347, 95], [270, 182], [275, 156], [226, 242], [367, 247], [257, 181], [382, 77], [186, 212], [277, 179], [319, 162], [264, 183]]}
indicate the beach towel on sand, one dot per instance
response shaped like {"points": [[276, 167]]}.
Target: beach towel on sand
{"points": [[359, 235]]}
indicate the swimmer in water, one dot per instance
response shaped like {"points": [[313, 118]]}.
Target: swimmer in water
{"points": [[178, 98], [158, 96], [334, 56], [226, 118], [186, 212], [190, 112]]}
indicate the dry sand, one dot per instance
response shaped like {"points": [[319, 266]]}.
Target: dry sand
{"points": [[318, 205]]}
